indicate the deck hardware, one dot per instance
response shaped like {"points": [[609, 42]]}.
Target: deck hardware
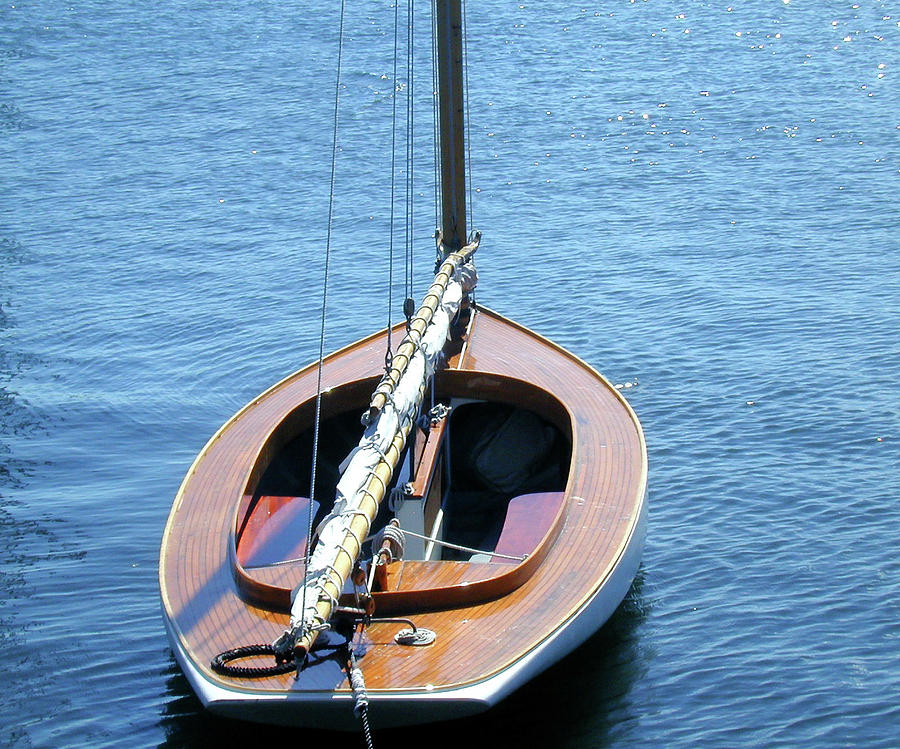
{"points": [[417, 636], [438, 413]]}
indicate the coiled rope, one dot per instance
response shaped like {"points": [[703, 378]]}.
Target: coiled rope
{"points": [[221, 664], [393, 533]]}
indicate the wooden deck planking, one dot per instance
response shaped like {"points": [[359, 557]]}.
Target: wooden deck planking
{"points": [[472, 641]]}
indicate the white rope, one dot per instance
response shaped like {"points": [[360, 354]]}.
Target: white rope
{"points": [[466, 549], [360, 699], [396, 535]]}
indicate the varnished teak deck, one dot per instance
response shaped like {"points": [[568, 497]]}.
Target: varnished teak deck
{"points": [[603, 515]]}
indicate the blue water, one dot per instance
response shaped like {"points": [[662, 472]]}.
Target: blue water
{"points": [[700, 200]]}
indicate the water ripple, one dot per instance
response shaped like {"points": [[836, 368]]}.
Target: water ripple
{"points": [[700, 200]]}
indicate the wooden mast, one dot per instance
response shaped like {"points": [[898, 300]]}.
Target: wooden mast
{"points": [[451, 105]]}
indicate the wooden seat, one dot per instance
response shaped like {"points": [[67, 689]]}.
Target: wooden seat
{"points": [[275, 531], [528, 518]]}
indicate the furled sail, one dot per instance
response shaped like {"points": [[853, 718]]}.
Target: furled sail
{"points": [[367, 470]]}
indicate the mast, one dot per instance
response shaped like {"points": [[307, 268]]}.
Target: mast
{"points": [[451, 105]]}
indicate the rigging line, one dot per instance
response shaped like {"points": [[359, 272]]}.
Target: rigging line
{"points": [[318, 417], [458, 547], [436, 159], [388, 354], [468, 130], [410, 132]]}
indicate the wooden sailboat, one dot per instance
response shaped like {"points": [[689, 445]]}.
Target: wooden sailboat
{"points": [[490, 518]]}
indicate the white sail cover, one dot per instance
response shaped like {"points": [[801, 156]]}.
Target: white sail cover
{"points": [[358, 467]]}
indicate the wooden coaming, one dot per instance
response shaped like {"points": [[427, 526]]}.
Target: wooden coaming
{"points": [[410, 586], [601, 509]]}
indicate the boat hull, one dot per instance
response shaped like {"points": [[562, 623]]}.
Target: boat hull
{"points": [[487, 647], [333, 711]]}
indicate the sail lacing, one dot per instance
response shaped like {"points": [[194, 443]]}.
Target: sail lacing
{"points": [[456, 272], [365, 472]]}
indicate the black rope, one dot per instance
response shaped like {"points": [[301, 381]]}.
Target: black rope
{"points": [[221, 664], [282, 650]]}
